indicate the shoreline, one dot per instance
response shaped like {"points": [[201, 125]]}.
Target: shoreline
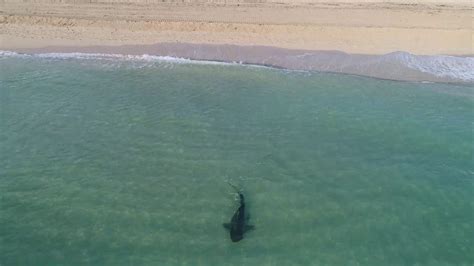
{"points": [[401, 66], [410, 40]]}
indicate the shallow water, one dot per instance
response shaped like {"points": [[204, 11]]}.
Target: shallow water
{"points": [[116, 162]]}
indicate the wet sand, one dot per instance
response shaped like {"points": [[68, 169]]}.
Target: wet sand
{"points": [[395, 66]]}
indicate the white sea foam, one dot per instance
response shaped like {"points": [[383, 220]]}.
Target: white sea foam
{"points": [[12, 54], [144, 57], [439, 67]]}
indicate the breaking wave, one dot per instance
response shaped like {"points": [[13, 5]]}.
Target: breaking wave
{"points": [[441, 65], [103, 56], [396, 66]]}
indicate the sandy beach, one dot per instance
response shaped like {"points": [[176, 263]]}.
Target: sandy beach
{"points": [[357, 26]]}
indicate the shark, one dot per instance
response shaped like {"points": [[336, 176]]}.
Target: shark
{"points": [[238, 224]]}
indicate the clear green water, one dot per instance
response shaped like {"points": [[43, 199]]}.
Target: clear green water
{"points": [[124, 163]]}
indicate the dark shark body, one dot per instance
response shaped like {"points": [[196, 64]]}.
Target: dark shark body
{"points": [[238, 224]]}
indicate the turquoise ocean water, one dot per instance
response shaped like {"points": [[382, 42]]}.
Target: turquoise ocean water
{"points": [[125, 162]]}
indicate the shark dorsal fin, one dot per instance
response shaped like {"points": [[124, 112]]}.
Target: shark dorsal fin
{"points": [[227, 226]]}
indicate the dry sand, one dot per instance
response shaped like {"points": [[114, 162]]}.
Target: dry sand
{"points": [[356, 26]]}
